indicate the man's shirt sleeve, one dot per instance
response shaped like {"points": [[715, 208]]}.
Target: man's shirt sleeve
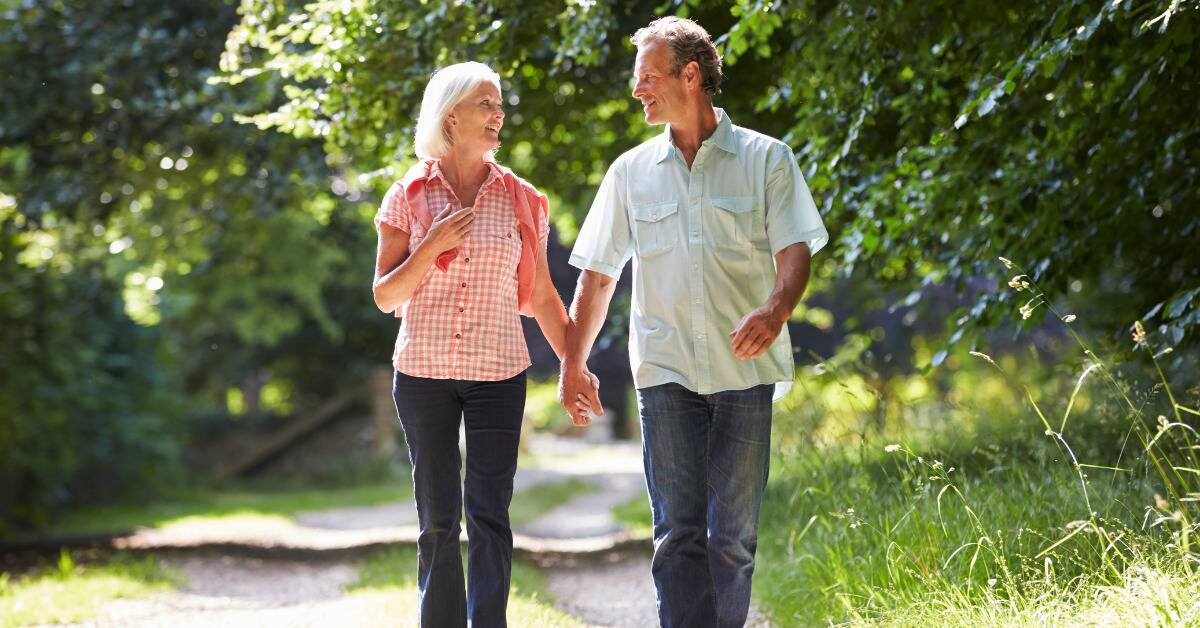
{"points": [[791, 213], [605, 242]]}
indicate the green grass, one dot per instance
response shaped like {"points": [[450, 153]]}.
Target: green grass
{"points": [[266, 506], [71, 592], [901, 539], [635, 515], [389, 580], [534, 502], [242, 504]]}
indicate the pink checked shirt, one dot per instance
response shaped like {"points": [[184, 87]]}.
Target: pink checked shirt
{"points": [[463, 323]]}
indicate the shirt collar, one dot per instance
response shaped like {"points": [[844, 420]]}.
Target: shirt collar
{"points": [[722, 137], [494, 174]]}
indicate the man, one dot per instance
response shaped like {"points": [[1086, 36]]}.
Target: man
{"points": [[720, 226]]}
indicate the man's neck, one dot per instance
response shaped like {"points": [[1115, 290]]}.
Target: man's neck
{"points": [[697, 124]]}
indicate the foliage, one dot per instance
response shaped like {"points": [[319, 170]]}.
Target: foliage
{"points": [[936, 135], [210, 255], [83, 401], [941, 135]]}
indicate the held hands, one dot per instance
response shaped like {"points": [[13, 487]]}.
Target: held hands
{"points": [[579, 393], [451, 229], [756, 332]]}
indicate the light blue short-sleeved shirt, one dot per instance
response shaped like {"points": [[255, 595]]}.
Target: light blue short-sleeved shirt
{"points": [[703, 243]]}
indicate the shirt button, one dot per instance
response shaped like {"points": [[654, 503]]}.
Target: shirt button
{"points": [[464, 284], [699, 336], [696, 301], [695, 267], [695, 234], [462, 309], [653, 216], [458, 335], [467, 259]]}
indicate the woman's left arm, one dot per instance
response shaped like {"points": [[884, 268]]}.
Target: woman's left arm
{"points": [[548, 308]]}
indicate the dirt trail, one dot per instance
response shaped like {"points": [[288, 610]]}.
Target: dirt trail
{"points": [[309, 589]]}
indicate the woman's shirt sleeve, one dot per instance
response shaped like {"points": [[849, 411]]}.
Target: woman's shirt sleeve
{"points": [[393, 211]]}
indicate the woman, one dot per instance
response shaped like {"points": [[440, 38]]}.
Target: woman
{"points": [[462, 253]]}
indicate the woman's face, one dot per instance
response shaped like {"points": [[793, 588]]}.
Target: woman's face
{"points": [[475, 122]]}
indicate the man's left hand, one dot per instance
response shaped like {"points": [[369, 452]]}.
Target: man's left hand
{"points": [[756, 332]]}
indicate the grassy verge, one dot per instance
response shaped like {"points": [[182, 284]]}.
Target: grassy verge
{"points": [[1001, 539], [388, 581], [634, 514], [71, 592], [532, 503], [240, 504], [261, 505]]}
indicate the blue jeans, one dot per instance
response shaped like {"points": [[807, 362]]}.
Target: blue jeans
{"points": [[430, 411], [706, 459]]}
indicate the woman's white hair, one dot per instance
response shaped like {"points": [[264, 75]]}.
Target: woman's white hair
{"points": [[446, 88]]}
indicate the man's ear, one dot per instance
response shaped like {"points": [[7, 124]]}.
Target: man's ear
{"points": [[691, 74]]}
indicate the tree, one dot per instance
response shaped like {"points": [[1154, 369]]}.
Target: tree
{"points": [[154, 252], [938, 136]]}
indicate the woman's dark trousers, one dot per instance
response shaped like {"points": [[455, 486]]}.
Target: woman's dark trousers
{"points": [[430, 411]]}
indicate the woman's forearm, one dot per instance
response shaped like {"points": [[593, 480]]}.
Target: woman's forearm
{"points": [[551, 316], [395, 288]]}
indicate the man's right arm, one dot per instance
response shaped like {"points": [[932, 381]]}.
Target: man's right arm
{"points": [[593, 293], [602, 249]]}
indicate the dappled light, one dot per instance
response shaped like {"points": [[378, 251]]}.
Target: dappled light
{"points": [[994, 410]]}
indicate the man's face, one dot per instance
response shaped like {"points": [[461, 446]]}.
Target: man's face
{"points": [[661, 91]]}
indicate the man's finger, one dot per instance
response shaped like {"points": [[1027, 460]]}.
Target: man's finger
{"points": [[742, 340], [754, 349], [749, 343], [593, 399]]}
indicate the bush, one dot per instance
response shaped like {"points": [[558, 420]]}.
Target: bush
{"points": [[85, 410]]}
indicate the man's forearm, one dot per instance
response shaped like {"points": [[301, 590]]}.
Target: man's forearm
{"points": [[792, 268], [593, 293]]}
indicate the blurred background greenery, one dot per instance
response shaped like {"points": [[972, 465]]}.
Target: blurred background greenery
{"points": [[186, 194]]}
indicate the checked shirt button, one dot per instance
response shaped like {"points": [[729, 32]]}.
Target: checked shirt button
{"points": [[458, 335], [464, 284]]}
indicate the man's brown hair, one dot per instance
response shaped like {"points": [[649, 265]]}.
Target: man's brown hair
{"points": [[689, 42]]}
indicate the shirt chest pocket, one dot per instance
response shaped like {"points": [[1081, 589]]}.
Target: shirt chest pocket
{"points": [[656, 227], [504, 247], [736, 223]]}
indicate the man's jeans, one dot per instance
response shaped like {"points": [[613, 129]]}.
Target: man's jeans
{"points": [[430, 411], [706, 459]]}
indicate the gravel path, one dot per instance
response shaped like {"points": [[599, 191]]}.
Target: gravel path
{"points": [[614, 595], [224, 590], [228, 591]]}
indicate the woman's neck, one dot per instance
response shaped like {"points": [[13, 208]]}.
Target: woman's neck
{"points": [[464, 172]]}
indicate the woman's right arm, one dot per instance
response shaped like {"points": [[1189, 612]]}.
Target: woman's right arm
{"points": [[399, 271]]}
